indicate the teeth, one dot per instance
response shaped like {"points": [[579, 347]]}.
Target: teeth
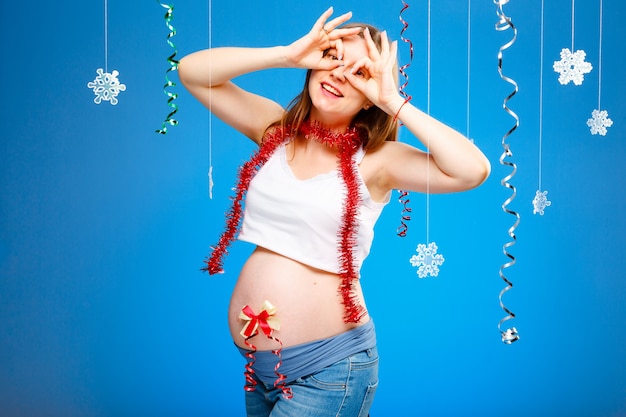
{"points": [[330, 89]]}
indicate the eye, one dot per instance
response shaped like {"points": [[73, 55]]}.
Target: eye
{"points": [[361, 73], [331, 54]]}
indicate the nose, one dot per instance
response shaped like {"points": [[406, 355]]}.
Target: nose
{"points": [[338, 72]]}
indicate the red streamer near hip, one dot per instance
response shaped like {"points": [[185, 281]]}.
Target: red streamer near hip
{"points": [[251, 329]]}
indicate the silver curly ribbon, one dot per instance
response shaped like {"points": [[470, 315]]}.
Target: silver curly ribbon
{"points": [[509, 335]]}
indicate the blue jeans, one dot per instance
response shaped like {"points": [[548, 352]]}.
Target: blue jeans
{"points": [[344, 389]]}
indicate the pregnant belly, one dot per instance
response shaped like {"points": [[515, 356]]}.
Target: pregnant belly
{"points": [[307, 301]]}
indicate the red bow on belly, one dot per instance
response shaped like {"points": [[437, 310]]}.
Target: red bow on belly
{"points": [[265, 320]]}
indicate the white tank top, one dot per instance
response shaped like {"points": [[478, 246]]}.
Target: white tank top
{"points": [[300, 219]]}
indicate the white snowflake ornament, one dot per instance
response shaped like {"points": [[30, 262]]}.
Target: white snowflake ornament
{"points": [[427, 260], [106, 86], [599, 122], [540, 202], [572, 66]]}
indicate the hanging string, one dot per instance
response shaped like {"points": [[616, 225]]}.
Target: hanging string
{"points": [[428, 65], [106, 86], [572, 26], [106, 36], [469, 32], [540, 201], [210, 173], [599, 121], [541, 94], [600, 59]]}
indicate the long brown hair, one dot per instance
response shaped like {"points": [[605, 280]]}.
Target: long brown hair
{"points": [[380, 126]]}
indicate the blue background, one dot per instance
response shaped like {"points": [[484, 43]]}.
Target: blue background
{"points": [[104, 223]]}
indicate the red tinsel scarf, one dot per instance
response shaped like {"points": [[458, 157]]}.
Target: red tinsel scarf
{"points": [[347, 143]]}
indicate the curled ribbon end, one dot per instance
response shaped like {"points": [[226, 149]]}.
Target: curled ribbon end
{"points": [[212, 269], [510, 335], [267, 322]]}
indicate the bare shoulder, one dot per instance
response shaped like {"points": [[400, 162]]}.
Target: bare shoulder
{"points": [[390, 153], [382, 167]]}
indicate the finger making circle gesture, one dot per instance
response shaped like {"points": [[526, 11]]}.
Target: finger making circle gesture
{"points": [[308, 51], [380, 86]]}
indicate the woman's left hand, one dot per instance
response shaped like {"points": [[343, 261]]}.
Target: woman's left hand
{"points": [[374, 75]]}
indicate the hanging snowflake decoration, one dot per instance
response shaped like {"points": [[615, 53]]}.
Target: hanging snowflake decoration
{"points": [[572, 66], [540, 202], [599, 122], [106, 86], [427, 260]]}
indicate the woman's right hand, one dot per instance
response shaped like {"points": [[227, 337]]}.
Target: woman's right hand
{"points": [[308, 51]]}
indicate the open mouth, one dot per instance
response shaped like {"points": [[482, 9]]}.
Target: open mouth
{"points": [[332, 90]]}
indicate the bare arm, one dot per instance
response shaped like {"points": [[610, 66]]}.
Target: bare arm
{"points": [[208, 74], [453, 163]]}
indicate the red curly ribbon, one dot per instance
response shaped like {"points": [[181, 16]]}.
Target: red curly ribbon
{"points": [[281, 378], [249, 370], [405, 217], [348, 143], [403, 199], [402, 69], [267, 322]]}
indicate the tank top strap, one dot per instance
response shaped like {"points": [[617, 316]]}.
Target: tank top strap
{"points": [[359, 155]]}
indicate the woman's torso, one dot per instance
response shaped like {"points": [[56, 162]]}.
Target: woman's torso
{"points": [[307, 300]]}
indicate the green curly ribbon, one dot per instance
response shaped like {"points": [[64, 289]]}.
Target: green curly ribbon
{"points": [[173, 67]]}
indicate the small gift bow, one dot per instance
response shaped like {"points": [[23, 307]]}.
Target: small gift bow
{"points": [[265, 320]]}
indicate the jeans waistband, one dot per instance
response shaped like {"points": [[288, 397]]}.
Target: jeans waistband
{"points": [[305, 359]]}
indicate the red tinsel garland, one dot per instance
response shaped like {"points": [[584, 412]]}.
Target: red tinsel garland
{"points": [[353, 312], [347, 143], [233, 218]]}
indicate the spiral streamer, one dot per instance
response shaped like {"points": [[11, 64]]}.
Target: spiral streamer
{"points": [[405, 215], [250, 384], [404, 195], [509, 335], [171, 96], [403, 68], [265, 322]]}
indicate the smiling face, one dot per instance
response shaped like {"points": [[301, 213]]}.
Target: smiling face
{"points": [[335, 101]]}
